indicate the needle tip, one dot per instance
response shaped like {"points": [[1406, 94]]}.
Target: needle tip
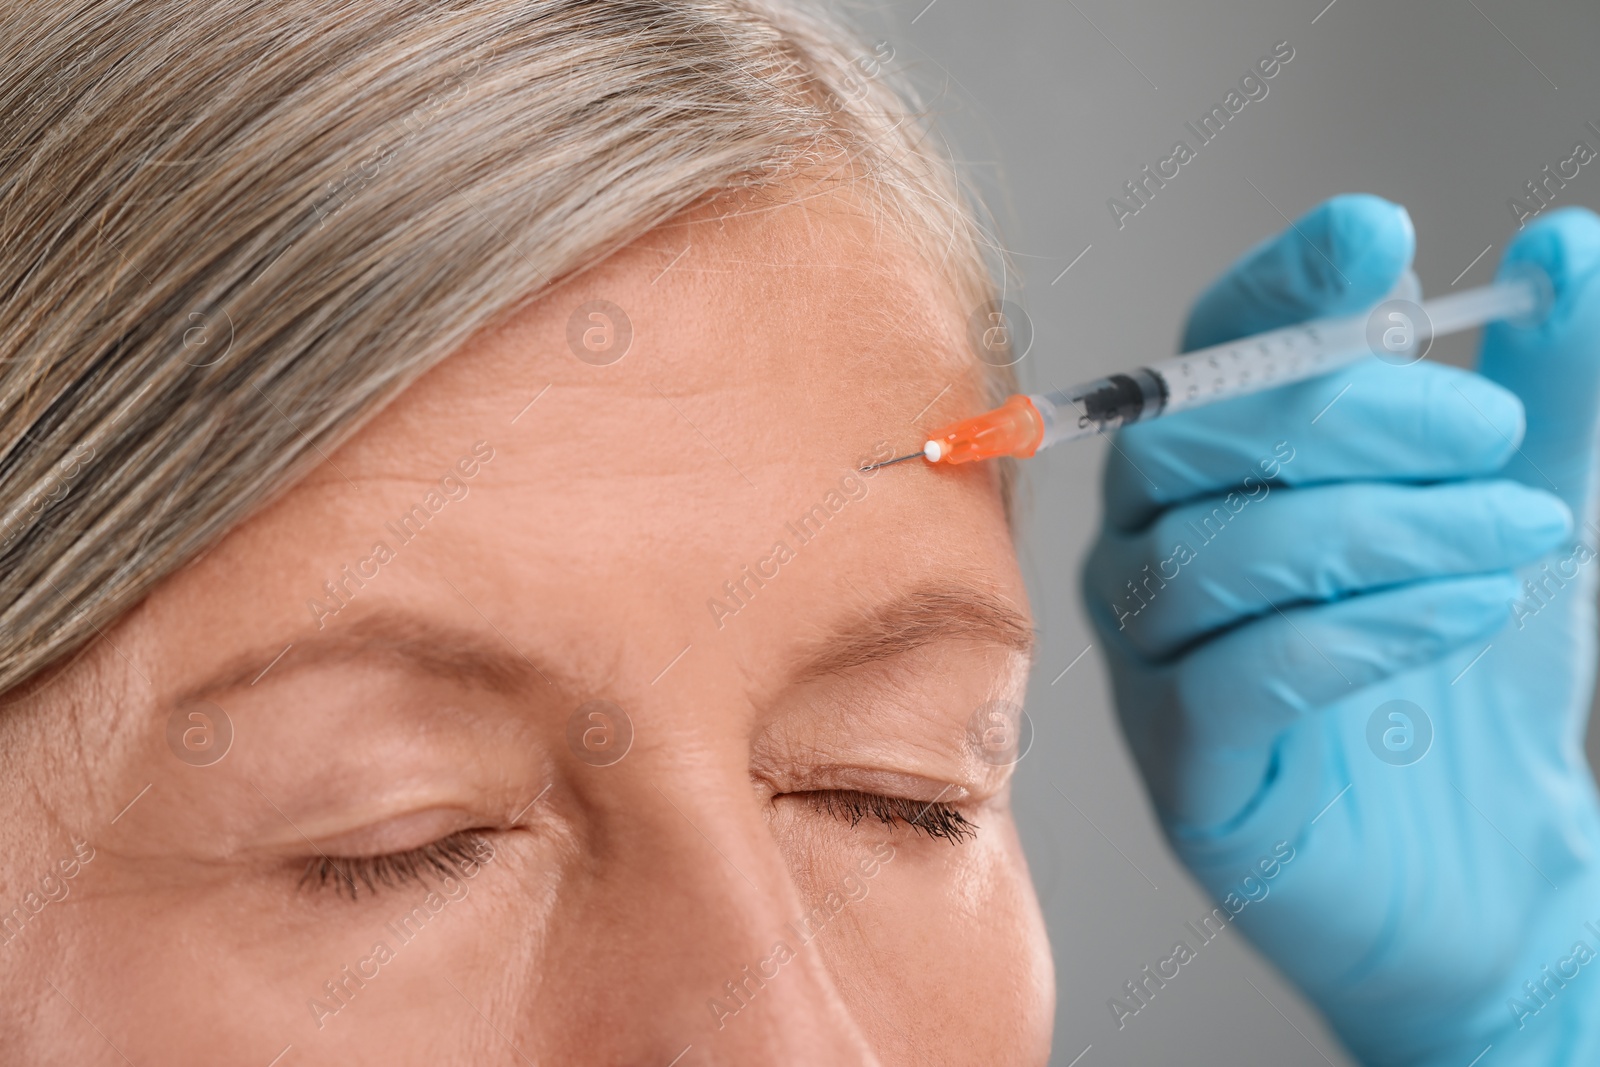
{"points": [[890, 462]]}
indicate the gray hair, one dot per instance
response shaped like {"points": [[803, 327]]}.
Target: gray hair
{"points": [[231, 230]]}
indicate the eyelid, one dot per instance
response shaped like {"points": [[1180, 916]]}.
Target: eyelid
{"points": [[874, 780], [398, 834], [919, 728]]}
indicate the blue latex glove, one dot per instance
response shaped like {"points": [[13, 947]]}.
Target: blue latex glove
{"points": [[1334, 559]]}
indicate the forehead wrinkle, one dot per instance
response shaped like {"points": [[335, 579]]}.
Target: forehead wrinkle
{"points": [[914, 620]]}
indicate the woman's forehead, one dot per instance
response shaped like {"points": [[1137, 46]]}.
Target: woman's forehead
{"points": [[770, 355]]}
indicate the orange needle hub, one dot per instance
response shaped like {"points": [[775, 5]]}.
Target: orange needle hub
{"points": [[1015, 428]]}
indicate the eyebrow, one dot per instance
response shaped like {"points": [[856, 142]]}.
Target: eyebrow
{"points": [[904, 624], [413, 642], [914, 620]]}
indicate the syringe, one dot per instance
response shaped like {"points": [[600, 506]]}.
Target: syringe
{"points": [[1398, 330]]}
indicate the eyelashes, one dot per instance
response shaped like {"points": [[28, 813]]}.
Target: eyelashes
{"points": [[939, 821], [456, 856], [461, 853]]}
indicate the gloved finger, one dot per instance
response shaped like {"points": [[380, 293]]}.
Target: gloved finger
{"points": [[1371, 422], [1339, 258], [1555, 367], [1205, 567], [1208, 748]]}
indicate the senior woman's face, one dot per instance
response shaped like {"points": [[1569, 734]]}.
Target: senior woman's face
{"points": [[580, 711]]}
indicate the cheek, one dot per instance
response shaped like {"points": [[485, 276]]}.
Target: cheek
{"points": [[954, 937]]}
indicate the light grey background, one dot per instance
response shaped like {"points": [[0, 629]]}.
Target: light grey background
{"points": [[1446, 106]]}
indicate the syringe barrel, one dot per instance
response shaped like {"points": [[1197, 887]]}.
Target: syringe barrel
{"points": [[1397, 330], [1204, 376], [1101, 405], [1262, 361]]}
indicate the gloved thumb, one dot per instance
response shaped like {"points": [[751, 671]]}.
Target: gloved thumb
{"points": [[1554, 366]]}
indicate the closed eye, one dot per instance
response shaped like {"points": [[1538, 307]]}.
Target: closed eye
{"points": [[461, 853], [457, 855]]}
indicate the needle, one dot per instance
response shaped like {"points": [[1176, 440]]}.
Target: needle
{"points": [[891, 462]]}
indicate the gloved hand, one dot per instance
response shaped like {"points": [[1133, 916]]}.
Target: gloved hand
{"points": [[1276, 569]]}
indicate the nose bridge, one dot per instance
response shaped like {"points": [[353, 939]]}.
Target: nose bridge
{"points": [[683, 930]]}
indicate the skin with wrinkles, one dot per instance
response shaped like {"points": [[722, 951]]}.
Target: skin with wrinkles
{"points": [[608, 908]]}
